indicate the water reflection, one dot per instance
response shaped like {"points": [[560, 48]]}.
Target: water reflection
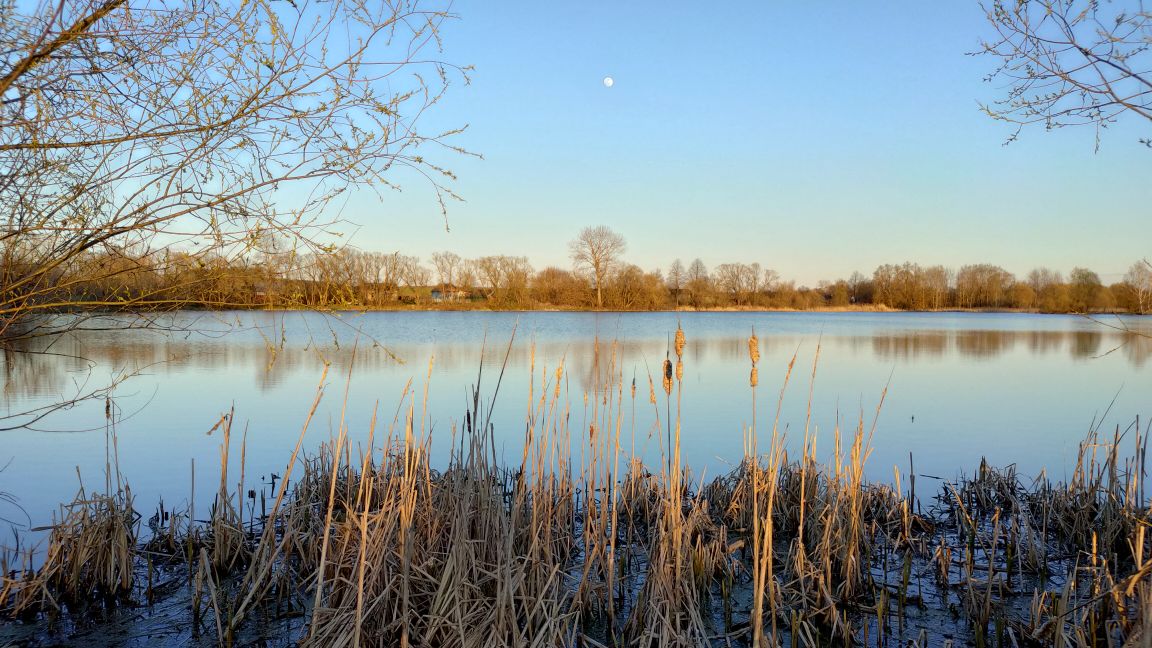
{"points": [[912, 345], [65, 367], [1078, 345]]}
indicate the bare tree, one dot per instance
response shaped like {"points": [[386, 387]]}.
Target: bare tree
{"points": [[558, 287], [1050, 290], [1139, 280], [634, 289], [697, 271], [414, 274], [504, 279], [447, 264], [1085, 287], [740, 281], [938, 283], [466, 277], [856, 284], [129, 130], [596, 251], [515, 274], [769, 280], [489, 273], [675, 279], [699, 283], [1070, 62], [982, 285]]}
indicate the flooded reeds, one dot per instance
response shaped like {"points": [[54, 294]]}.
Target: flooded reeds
{"points": [[373, 544]]}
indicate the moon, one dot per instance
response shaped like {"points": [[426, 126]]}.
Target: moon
{"points": [[608, 81]]}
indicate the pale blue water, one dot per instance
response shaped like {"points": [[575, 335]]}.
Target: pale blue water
{"points": [[1016, 388]]}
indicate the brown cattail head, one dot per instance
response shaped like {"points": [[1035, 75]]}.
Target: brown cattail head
{"points": [[754, 378], [754, 348], [680, 341], [667, 376], [680, 371], [633, 388], [559, 377]]}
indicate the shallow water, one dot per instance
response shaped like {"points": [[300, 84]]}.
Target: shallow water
{"points": [[1016, 388]]}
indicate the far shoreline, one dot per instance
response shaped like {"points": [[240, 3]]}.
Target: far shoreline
{"points": [[865, 309]]}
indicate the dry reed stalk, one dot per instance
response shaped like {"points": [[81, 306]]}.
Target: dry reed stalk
{"points": [[268, 548], [763, 522]]}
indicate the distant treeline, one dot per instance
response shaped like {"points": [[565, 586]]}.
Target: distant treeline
{"points": [[349, 278]]}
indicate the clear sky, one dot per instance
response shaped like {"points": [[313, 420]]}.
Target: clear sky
{"points": [[816, 138]]}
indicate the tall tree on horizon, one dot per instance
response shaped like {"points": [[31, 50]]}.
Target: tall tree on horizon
{"points": [[596, 251]]}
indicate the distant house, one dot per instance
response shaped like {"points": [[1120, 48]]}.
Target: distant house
{"points": [[260, 293], [448, 293]]}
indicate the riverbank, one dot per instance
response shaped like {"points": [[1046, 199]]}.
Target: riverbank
{"points": [[464, 307]]}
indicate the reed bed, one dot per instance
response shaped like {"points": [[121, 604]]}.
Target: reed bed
{"points": [[376, 546]]}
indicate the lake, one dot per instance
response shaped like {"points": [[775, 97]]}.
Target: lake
{"points": [[1016, 388]]}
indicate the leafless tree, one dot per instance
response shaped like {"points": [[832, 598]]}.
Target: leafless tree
{"points": [[938, 283], [697, 271], [1070, 62], [634, 289], [414, 274], [559, 287], [675, 279], [133, 129], [739, 280], [699, 284], [856, 284], [466, 277], [1085, 288], [596, 251], [982, 285], [1051, 293], [504, 279], [769, 280], [447, 264], [1139, 280], [489, 274]]}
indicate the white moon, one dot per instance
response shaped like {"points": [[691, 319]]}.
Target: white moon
{"points": [[608, 81]]}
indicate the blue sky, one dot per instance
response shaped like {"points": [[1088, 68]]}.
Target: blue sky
{"points": [[812, 138]]}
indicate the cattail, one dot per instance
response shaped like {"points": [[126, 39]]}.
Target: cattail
{"points": [[754, 378], [633, 388], [679, 342], [651, 390], [679, 371], [754, 348], [559, 377], [667, 376]]}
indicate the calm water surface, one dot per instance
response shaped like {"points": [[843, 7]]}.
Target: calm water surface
{"points": [[1016, 388]]}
